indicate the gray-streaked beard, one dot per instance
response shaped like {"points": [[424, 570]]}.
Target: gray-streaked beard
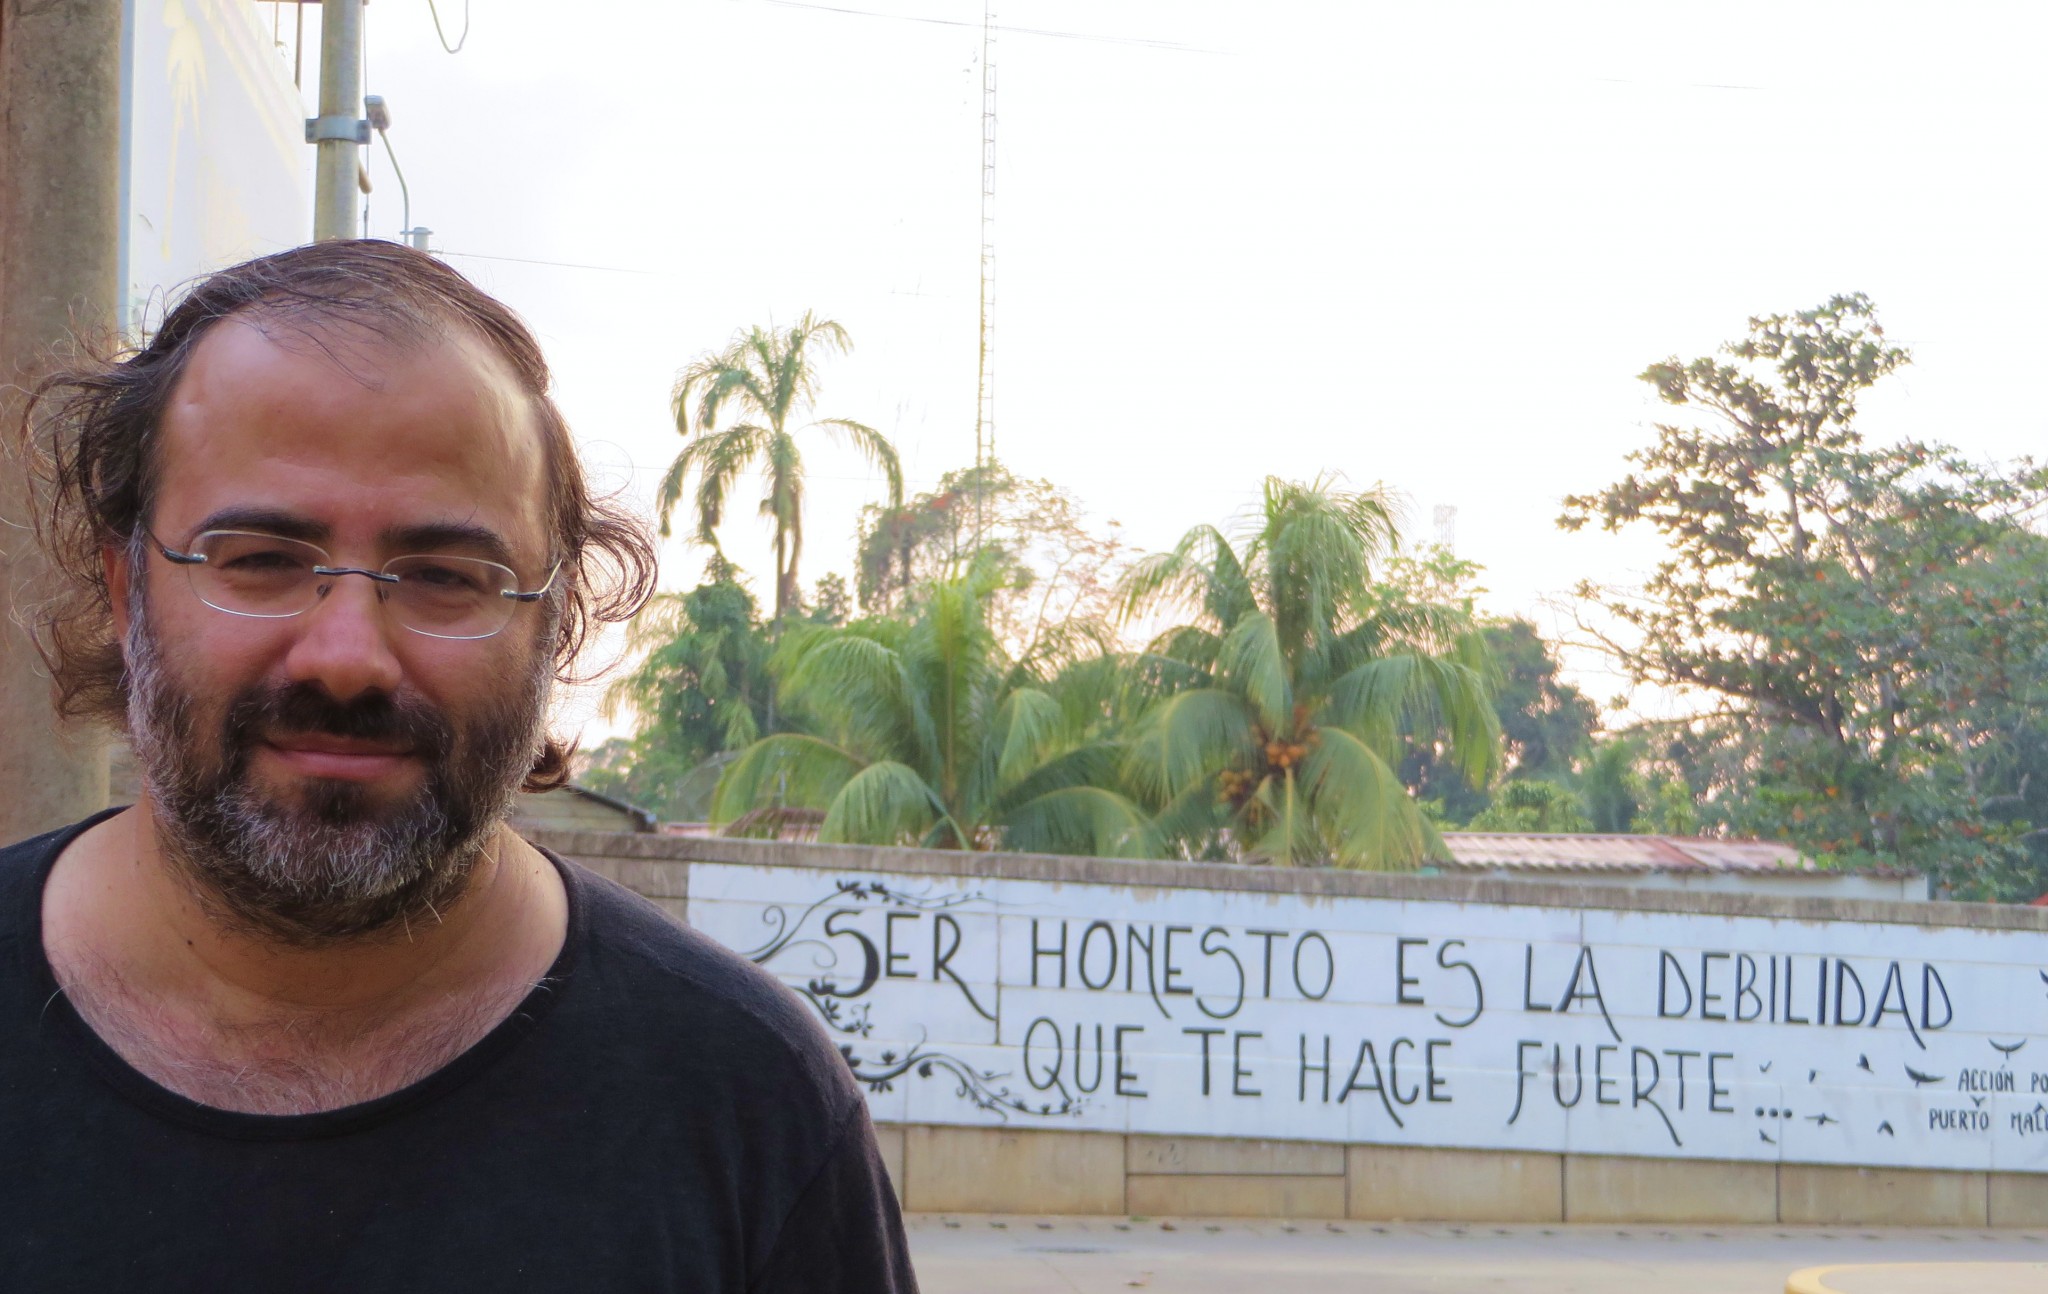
{"points": [[337, 865]]}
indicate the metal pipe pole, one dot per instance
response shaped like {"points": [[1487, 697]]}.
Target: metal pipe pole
{"points": [[60, 234], [339, 131]]}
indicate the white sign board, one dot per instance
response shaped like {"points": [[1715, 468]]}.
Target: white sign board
{"points": [[1219, 1013]]}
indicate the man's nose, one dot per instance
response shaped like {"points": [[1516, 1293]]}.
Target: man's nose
{"points": [[344, 642]]}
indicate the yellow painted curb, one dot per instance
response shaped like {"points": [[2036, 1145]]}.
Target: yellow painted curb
{"points": [[1814, 1280]]}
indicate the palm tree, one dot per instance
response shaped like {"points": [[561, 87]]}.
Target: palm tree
{"points": [[766, 381], [1283, 704], [928, 733]]}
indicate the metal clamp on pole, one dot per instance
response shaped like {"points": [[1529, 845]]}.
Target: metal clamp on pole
{"points": [[349, 130]]}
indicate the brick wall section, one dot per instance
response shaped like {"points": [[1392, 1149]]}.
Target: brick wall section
{"points": [[1000, 1170]]}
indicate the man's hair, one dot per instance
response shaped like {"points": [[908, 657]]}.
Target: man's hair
{"points": [[92, 433]]}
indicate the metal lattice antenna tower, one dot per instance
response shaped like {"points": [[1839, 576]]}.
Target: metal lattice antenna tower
{"points": [[1447, 527], [985, 377]]}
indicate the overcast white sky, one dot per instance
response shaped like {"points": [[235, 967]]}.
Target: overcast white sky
{"points": [[1428, 244]]}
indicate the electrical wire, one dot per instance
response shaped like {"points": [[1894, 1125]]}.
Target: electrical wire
{"points": [[456, 48], [1172, 46], [527, 260]]}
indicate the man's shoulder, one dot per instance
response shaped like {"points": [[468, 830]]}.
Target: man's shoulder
{"points": [[24, 863], [31, 853], [685, 991]]}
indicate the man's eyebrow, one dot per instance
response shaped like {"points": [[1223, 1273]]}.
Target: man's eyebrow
{"points": [[268, 521], [434, 536]]}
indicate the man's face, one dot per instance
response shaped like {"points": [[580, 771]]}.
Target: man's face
{"points": [[330, 774]]}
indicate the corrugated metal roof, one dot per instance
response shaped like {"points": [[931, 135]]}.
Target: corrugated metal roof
{"points": [[1536, 851]]}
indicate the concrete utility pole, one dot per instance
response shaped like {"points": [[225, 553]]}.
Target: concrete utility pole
{"points": [[60, 230], [340, 131]]}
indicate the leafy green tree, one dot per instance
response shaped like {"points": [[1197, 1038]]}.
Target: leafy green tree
{"points": [[1610, 786], [1624, 788], [1524, 804], [642, 770], [1546, 725], [700, 689], [1052, 567], [830, 604], [1286, 701], [1867, 621], [926, 731], [745, 405]]}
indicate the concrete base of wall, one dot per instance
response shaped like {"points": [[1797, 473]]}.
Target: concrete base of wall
{"points": [[1614, 1188], [988, 1170], [2018, 1200], [995, 1170], [1826, 1195], [1407, 1182]]}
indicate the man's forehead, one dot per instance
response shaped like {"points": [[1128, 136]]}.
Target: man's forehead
{"points": [[264, 402]]}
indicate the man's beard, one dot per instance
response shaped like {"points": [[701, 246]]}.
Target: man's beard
{"points": [[328, 861]]}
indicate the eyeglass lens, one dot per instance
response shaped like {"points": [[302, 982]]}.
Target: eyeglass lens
{"points": [[272, 577]]}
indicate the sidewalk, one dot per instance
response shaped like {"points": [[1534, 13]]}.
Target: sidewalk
{"points": [[976, 1254]]}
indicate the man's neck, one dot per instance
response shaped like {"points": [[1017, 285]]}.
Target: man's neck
{"points": [[233, 1019]]}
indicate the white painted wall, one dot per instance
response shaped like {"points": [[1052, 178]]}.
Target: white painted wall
{"points": [[215, 165], [1424, 1023]]}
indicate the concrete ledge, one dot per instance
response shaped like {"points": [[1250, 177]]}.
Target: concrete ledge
{"points": [[1144, 1154], [1827, 1195], [672, 851], [991, 1170], [1411, 1182], [2017, 1199], [1235, 1195], [1615, 1188]]}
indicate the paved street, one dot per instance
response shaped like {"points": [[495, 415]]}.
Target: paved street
{"points": [[972, 1254]]}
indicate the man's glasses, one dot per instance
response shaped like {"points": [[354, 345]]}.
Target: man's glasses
{"points": [[271, 578]]}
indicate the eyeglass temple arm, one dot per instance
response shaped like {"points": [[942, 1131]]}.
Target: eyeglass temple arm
{"points": [[538, 593], [182, 559]]}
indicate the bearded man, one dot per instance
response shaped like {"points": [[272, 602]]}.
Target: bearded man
{"points": [[309, 1015]]}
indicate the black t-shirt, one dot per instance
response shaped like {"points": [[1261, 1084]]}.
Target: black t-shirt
{"points": [[657, 1115]]}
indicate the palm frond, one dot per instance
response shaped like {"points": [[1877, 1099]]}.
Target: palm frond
{"points": [[1289, 837], [1095, 764], [1365, 813], [785, 770], [1193, 822], [1188, 575], [860, 688], [1253, 662], [1081, 820], [1381, 699], [1028, 726], [876, 448], [953, 655], [886, 803], [1188, 738]]}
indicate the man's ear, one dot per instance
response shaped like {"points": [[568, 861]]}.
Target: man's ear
{"points": [[114, 561]]}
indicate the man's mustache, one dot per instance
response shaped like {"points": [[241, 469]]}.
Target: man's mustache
{"points": [[305, 709]]}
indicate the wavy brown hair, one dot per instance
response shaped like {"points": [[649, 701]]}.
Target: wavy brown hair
{"points": [[90, 434]]}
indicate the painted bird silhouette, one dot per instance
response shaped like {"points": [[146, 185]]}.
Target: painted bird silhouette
{"points": [[2006, 1048], [1863, 1063], [1822, 1120], [1922, 1080], [1886, 1128]]}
